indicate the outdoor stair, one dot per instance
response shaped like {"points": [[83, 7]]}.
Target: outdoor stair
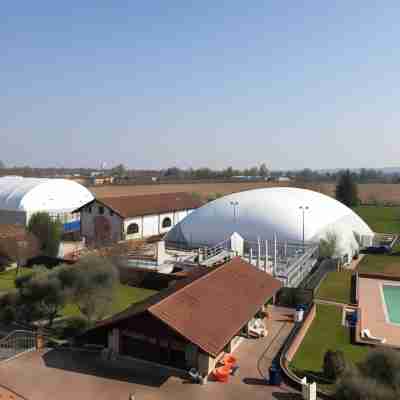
{"points": [[15, 343]]}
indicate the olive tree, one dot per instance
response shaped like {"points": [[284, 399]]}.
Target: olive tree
{"points": [[91, 285], [328, 245], [41, 292], [376, 378]]}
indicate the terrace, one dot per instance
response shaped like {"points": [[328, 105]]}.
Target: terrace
{"points": [[83, 374]]}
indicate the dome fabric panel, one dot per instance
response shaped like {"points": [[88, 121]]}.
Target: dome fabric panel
{"points": [[36, 194]]}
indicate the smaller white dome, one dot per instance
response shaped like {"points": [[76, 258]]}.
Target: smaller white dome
{"points": [[37, 194]]}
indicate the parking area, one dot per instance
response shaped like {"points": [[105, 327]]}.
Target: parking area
{"points": [[66, 374]]}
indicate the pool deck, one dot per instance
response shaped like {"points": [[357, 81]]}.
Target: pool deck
{"points": [[373, 313]]}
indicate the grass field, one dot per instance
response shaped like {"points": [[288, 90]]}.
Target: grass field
{"points": [[203, 189], [124, 297], [336, 287], [326, 333], [381, 219], [368, 193], [382, 263]]}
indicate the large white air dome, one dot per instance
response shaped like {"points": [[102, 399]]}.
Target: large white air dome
{"points": [[36, 194], [262, 213]]}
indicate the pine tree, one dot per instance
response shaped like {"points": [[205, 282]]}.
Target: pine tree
{"points": [[346, 190]]}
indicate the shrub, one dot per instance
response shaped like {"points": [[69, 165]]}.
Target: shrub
{"points": [[75, 326], [334, 364]]}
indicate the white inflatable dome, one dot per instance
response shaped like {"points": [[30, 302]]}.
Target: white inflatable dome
{"points": [[36, 194], [265, 212]]}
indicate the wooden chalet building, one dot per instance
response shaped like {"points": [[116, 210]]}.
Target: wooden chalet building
{"points": [[191, 324]]}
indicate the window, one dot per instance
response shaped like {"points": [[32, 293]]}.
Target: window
{"points": [[132, 229], [101, 210], [166, 222], [89, 210]]}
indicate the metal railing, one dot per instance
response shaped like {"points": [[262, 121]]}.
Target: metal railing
{"points": [[15, 343]]}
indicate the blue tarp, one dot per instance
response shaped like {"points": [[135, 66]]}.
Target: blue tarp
{"points": [[72, 226]]}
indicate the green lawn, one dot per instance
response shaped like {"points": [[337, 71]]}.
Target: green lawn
{"points": [[381, 263], [380, 219], [7, 278], [124, 297], [326, 333], [336, 287]]}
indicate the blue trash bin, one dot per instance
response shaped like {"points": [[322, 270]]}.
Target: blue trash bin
{"points": [[275, 377]]}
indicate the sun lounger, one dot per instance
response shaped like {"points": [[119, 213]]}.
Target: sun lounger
{"points": [[366, 334]]}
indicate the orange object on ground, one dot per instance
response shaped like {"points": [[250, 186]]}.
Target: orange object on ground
{"points": [[222, 373], [229, 360]]}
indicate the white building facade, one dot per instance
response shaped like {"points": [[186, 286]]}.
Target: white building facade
{"points": [[133, 217]]}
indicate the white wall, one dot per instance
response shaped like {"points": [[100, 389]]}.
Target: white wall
{"points": [[149, 225]]}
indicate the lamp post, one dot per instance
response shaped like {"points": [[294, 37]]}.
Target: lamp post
{"points": [[234, 204], [303, 210]]}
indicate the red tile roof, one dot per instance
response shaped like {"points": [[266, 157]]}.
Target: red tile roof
{"points": [[8, 231], [134, 206]]}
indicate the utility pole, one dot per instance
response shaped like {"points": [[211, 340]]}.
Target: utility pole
{"points": [[303, 210], [234, 204]]}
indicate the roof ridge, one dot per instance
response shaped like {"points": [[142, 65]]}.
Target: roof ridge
{"points": [[197, 280], [144, 194]]}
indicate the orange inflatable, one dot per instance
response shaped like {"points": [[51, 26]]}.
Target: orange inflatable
{"points": [[229, 360], [222, 373]]}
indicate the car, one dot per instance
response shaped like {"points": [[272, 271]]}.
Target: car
{"points": [[381, 249]]}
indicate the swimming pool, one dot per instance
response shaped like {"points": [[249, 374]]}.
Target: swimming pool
{"points": [[391, 294]]}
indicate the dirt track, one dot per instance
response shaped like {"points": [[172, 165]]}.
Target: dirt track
{"points": [[369, 193]]}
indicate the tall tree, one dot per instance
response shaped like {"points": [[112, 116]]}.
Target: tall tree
{"points": [[346, 190], [48, 231], [263, 171]]}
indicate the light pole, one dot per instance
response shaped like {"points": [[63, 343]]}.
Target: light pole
{"points": [[303, 210], [234, 204]]}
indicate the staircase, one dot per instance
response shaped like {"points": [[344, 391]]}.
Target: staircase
{"points": [[16, 343]]}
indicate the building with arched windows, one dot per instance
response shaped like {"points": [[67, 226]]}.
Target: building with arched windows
{"points": [[112, 219]]}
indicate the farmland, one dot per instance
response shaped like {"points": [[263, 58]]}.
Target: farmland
{"points": [[203, 189], [369, 193]]}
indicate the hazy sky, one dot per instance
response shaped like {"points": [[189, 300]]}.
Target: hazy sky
{"points": [[211, 83]]}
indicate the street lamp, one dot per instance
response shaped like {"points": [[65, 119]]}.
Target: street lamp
{"points": [[234, 204], [303, 210]]}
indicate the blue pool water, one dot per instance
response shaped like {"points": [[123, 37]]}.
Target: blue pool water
{"points": [[391, 294]]}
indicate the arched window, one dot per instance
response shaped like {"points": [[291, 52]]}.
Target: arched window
{"points": [[166, 222], [133, 228]]}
